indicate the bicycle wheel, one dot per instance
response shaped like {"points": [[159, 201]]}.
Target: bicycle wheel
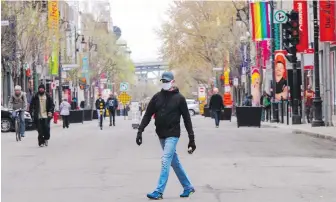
{"points": [[17, 130], [101, 122]]}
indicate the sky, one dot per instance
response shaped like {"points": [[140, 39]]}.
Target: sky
{"points": [[138, 20]]}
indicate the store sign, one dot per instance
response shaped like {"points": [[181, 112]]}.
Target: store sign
{"points": [[327, 20]]}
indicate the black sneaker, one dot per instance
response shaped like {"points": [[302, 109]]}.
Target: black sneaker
{"points": [[113, 124], [110, 124]]}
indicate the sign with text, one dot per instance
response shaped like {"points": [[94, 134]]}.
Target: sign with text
{"points": [[327, 20], [301, 7]]}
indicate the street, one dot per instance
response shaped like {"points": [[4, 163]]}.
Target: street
{"points": [[85, 164]]}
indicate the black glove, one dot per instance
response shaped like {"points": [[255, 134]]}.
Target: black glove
{"points": [[191, 146], [139, 138]]}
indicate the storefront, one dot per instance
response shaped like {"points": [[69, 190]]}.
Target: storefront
{"points": [[333, 75]]}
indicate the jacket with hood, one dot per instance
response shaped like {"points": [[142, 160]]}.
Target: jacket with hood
{"points": [[34, 107], [168, 106], [65, 108], [112, 103]]}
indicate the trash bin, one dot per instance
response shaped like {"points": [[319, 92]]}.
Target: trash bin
{"points": [[248, 116], [206, 112]]}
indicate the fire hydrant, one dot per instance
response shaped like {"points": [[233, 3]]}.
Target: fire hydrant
{"points": [[56, 115]]}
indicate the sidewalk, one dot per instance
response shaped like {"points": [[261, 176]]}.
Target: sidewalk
{"points": [[306, 129]]}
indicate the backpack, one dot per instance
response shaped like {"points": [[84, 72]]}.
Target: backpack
{"points": [[266, 102]]}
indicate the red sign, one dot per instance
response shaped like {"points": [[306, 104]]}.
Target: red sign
{"points": [[327, 20], [301, 7]]}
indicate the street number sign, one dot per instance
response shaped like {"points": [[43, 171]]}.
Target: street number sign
{"points": [[123, 86], [280, 16]]}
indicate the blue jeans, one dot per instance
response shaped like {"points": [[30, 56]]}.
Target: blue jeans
{"points": [[22, 122], [168, 159], [216, 115]]}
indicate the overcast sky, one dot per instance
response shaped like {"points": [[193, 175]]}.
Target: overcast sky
{"points": [[137, 20]]}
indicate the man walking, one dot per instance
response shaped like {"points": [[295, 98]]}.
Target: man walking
{"points": [[168, 105], [19, 101], [265, 101], [111, 105], [216, 105], [309, 95], [42, 108], [100, 106]]}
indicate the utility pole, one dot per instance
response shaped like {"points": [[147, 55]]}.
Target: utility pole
{"points": [[317, 121], [328, 86]]}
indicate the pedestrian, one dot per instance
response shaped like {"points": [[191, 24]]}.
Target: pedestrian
{"points": [[19, 101], [168, 105], [100, 107], [65, 112], [216, 105], [112, 105], [42, 108], [248, 101], [309, 95], [265, 101]]}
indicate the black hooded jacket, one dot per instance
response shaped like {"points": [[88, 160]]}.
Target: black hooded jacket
{"points": [[168, 106], [34, 107]]}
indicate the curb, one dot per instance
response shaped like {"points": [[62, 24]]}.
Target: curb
{"points": [[309, 133], [314, 134]]}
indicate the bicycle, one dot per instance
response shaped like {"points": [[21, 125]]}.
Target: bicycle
{"points": [[17, 124]]}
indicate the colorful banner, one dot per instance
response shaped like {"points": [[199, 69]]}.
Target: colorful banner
{"points": [[327, 20], [227, 88], [53, 24], [280, 76], [85, 67], [263, 48], [261, 29], [255, 86], [301, 7]]}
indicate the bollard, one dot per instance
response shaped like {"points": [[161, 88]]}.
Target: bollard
{"points": [[282, 109], [287, 112], [55, 117]]}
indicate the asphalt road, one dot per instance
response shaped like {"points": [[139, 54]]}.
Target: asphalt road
{"points": [[85, 164]]}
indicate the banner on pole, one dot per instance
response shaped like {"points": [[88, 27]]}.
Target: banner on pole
{"points": [[327, 20], [53, 24], [280, 71], [301, 7]]}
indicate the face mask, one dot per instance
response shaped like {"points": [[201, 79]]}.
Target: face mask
{"points": [[166, 86]]}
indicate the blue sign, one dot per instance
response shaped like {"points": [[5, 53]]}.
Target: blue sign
{"points": [[85, 68]]}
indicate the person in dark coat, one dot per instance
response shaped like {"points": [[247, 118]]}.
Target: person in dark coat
{"points": [[169, 105], [42, 108], [216, 105]]}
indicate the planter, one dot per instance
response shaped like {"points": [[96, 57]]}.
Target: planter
{"points": [[76, 116], [226, 114], [248, 116], [88, 114]]}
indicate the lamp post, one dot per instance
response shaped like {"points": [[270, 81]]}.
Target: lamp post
{"points": [[317, 99], [275, 106], [246, 10]]}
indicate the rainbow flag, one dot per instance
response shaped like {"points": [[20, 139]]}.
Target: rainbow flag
{"points": [[261, 28]]}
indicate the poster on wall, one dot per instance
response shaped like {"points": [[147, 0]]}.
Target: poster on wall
{"points": [[281, 88], [255, 86]]}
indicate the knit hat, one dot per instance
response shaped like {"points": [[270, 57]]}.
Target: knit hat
{"points": [[41, 86]]}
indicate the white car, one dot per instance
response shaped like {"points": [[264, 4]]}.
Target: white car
{"points": [[193, 107]]}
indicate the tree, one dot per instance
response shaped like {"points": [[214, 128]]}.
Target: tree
{"points": [[198, 37], [108, 57], [31, 34]]}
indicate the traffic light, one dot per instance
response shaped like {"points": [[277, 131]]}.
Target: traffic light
{"points": [[291, 35]]}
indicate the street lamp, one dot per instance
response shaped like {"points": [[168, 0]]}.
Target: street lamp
{"points": [[248, 59]]}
